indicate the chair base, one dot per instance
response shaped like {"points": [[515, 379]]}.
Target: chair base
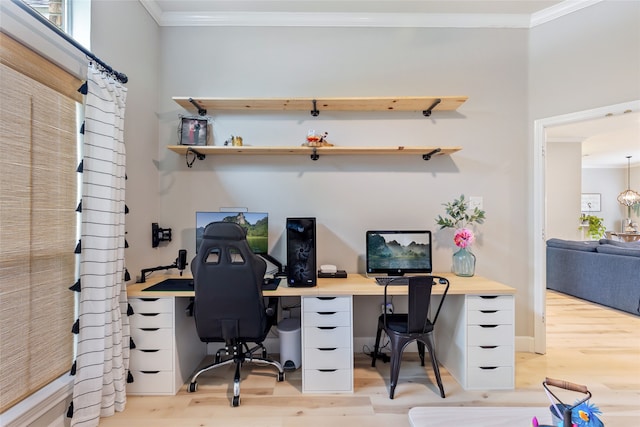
{"points": [[239, 353], [398, 344]]}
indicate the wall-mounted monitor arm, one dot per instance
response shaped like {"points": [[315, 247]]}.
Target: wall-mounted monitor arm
{"points": [[180, 263]]}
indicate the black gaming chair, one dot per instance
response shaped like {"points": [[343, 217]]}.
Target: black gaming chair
{"points": [[228, 305], [415, 325]]}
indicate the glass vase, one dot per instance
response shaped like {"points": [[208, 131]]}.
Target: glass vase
{"points": [[464, 263]]}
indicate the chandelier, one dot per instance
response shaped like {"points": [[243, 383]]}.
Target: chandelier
{"points": [[628, 197]]}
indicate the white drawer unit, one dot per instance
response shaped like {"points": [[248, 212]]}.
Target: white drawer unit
{"points": [[167, 348], [327, 349], [490, 342]]}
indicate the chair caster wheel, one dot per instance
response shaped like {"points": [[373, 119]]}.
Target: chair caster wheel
{"points": [[192, 387], [280, 376], [236, 401]]}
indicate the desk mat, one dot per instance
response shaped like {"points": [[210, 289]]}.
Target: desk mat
{"points": [[186, 285], [172, 285]]}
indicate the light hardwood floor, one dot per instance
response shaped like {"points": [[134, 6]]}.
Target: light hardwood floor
{"points": [[586, 344]]}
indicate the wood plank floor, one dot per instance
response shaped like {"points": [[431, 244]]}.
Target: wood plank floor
{"points": [[586, 344]]}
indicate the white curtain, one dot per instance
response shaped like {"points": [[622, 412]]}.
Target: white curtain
{"points": [[102, 360]]}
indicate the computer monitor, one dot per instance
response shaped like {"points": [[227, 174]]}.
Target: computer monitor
{"points": [[396, 252], [256, 224]]}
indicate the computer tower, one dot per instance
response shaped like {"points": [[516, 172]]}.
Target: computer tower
{"points": [[301, 252]]}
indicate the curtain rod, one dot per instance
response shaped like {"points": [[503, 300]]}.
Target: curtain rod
{"points": [[121, 77]]}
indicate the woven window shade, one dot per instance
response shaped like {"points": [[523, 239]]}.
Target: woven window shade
{"points": [[37, 233]]}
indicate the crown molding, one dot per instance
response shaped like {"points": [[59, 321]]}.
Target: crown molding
{"points": [[353, 19], [328, 19], [559, 10]]}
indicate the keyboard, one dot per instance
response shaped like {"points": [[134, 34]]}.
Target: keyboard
{"points": [[392, 281]]}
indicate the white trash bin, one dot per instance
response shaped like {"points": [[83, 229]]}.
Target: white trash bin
{"points": [[290, 343]]}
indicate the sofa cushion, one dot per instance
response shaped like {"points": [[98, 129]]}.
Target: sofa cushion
{"points": [[587, 246], [620, 244], [618, 250]]}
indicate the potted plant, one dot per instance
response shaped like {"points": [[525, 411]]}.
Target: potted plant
{"points": [[461, 217], [595, 228]]}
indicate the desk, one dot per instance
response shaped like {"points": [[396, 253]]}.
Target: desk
{"points": [[474, 334]]}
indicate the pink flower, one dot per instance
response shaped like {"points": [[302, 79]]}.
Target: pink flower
{"points": [[463, 238]]}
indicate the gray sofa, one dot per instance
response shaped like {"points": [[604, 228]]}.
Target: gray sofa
{"points": [[606, 272]]}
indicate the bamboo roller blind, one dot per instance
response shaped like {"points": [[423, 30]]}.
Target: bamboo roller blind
{"points": [[38, 229]]}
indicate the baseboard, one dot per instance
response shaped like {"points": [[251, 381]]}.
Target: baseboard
{"points": [[46, 407]]}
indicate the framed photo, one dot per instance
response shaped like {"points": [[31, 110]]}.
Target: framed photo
{"points": [[193, 131], [590, 202]]}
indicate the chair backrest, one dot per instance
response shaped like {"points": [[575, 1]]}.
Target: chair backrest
{"points": [[419, 303], [227, 277]]}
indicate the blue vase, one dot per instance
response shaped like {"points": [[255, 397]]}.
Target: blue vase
{"points": [[464, 263]]}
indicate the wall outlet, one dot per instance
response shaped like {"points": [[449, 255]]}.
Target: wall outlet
{"points": [[475, 202], [386, 308]]}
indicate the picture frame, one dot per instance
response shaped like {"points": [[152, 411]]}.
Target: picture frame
{"points": [[193, 131], [590, 202]]}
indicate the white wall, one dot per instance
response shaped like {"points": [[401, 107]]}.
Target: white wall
{"points": [[349, 195], [564, 164], [512, 76]]}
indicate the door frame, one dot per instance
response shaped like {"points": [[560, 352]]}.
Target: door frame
{"points": [[540, 210]]}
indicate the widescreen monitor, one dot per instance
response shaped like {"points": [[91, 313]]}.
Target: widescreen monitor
{"points": [[256, 224]]}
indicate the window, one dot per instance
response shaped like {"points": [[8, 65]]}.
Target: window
{"points": [[38, 137], [53, 10]]}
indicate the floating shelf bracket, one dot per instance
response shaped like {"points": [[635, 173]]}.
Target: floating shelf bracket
{"points": [[315, 156], [201, 111], [428, 111], [431, 153], [196, 155], [315, 111]]}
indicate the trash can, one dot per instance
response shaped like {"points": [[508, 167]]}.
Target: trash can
{"points": [[290, 343]]}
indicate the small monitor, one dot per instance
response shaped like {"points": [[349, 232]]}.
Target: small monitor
{"points": [[398, 252], [256, 224]]}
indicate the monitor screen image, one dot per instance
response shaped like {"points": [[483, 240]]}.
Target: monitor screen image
{"points": [[256, 224], [397, 252]]}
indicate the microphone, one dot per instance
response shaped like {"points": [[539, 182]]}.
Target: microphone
{"points": [[181, 261]]}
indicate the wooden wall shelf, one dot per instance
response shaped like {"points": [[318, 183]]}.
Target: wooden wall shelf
{"points": [[426, 104], [203, 150]]}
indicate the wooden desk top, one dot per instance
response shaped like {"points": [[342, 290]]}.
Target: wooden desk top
{"points": [[354, 284]]}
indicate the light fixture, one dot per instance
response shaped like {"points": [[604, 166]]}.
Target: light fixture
{"points": [[629, 197]]}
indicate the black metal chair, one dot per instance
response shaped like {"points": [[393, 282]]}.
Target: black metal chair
{"points": [[416, 325], [229, 306]]}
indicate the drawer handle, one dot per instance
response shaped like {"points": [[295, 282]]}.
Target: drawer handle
{"points": [[488, 296], [488, 311], [488, 326], [326, 327], [149, 314], [149, 351], [149, 299], [326, 313], [327, 370], [149, 329], [488, 347], [327, 348], [326, 298], [488, 368], [150, 372]]}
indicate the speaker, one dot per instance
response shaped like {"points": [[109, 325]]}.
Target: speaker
{"points": [[301, 252]]}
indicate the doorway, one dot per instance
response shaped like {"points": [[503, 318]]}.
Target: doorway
{"points": [[540, 209]]}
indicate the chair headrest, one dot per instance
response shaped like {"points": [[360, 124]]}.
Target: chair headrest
{"points": [[224, 230]]}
